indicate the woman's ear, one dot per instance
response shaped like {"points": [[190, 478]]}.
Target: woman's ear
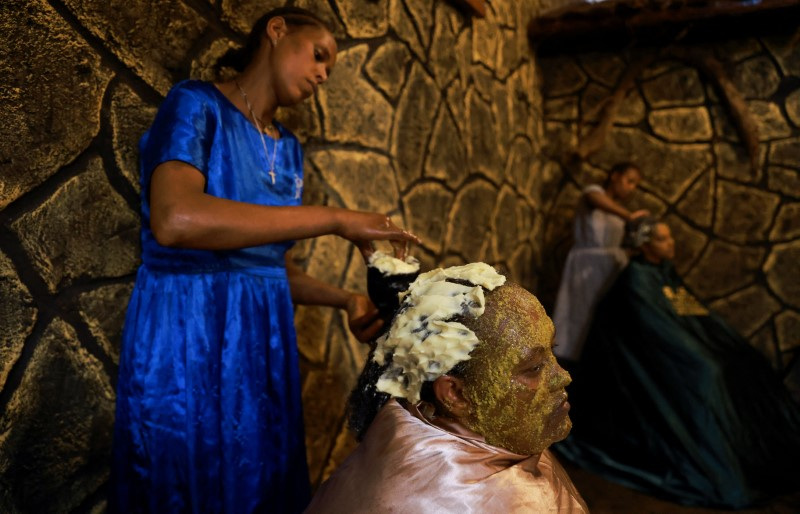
{"points": [[449, 393], [276, 29]]}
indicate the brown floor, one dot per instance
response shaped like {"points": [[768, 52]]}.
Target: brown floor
{"points": [[603, 496]]}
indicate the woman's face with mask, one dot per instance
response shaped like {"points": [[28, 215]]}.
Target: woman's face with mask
{"points": [[514, 385]]}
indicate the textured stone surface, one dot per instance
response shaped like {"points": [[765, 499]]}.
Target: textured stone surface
{"points": [[682, 124], [787, 324], [363, 180], [483, 149], [748, 309], [84, 230], [786, 153], [593, 99], [787, 223], [468, 226], [521, 163], [782, 269], [771, 123], [50, 98], [446, 156], [668, 169], [445, 38], [506, 224], [130, 119], [793, 107], [724, 268], [400, 21], [675, 88], [364, 18], [387, 67], [313, 325], [413, 124], [785, 181], [56, 428], [17, 316], [744, 214], [151, 38], [756, 78], [103, 310], [698, 202], [564, 108], [632, 109], [569, 79], [354, 112], [733, 163]]}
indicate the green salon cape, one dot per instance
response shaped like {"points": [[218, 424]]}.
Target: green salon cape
{"points": [[679, 405]]}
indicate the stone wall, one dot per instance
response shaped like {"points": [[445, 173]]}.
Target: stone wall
{"points": [[430, 116], [737, 225]]}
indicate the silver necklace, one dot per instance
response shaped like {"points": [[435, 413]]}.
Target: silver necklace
{"points": [[271, 162]]}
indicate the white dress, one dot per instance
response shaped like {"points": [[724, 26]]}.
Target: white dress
{"points": [[593, 263]]}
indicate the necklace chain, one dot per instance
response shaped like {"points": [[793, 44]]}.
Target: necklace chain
{"points": [[271, 162]]}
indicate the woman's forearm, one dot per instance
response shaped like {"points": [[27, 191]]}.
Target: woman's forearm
{"points": [[307, 290]]}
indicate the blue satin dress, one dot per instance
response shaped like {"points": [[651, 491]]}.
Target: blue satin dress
{"points": [[209, 416]]}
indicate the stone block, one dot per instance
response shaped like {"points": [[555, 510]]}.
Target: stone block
{"points": [[782, 269], [329, 260], [83, 230], [363, 180], [103, 309], [130, 119], [203, 66], [669, 169], [723, 123], [354, 112], [505, 223], [57, 426], [698, 202], [388, 67], [642, 199], [422, 17], [520, 162], [787, 324], [733, 162], [17, 316], [682, 124], [470, 222], [604, 68], [413, 123], [446, 155], [501, 106], [323, 9], [793, 107], [769, 119], [677, 88], [744, 214], [53, 85], [426, 206], [443, 59], [153, 39], [787, 223], [523, 267], [562, 76], [689, 243], [786, 152], [324, 398], [756, 78], [740, 48], [724, 268], [364, 18], [563, 108], [313, 326], [302, 119], [784, 181], [482, 148], [748, 309], [405, 29]]}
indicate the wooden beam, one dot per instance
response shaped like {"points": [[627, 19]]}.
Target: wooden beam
{"points": [[477, 7]]}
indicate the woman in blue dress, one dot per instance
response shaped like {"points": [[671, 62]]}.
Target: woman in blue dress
{"points": [[209, 415]]}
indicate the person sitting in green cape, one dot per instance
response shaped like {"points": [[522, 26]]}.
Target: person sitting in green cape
{"points": [[670, 400]]}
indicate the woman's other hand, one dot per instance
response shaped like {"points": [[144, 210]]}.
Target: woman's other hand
{"points": [[638, 214], [362, 317]]}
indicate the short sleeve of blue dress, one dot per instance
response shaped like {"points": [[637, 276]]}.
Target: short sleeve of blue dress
{"points": [[208, 405]]}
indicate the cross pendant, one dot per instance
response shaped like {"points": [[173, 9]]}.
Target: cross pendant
{"points": [[272, 175]]}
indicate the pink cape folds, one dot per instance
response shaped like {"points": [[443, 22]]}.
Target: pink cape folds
{"points": [[407, 463]]}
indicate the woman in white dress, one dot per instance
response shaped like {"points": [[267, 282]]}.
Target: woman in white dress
{"points": [[595, 258]]}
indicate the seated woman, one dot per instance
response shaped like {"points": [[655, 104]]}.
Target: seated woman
{"points": [[457, 406], [668, 399]]}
